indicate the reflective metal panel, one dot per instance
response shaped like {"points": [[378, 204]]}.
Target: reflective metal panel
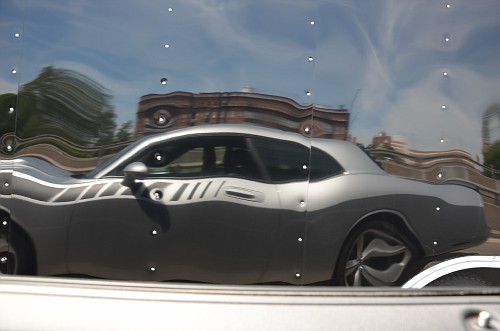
{"points": [[420, 81], [415, 83], [95, 77], [11, 45]]}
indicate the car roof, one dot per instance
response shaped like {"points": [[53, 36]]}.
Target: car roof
{"points": [[351, 157]]}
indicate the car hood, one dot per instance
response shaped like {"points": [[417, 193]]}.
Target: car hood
{"points": [[42, 170]]}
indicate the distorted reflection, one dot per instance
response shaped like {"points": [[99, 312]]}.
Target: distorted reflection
{"points": [[416, 83], [64, 117]]}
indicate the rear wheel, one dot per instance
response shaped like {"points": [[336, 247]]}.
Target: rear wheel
{"points": [[374, 255]]}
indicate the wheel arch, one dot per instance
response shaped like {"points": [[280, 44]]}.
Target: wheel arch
{"points": [[390, 218], [13, 228]]}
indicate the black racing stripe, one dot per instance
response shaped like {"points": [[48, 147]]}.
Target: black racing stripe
{"points": [[111, 190], [205, 190], [70, 194], [179, 192], [92, 192], [217, 193], [193, 191]]}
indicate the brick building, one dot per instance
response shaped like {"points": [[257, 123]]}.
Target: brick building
{"points": [[160, 112]]}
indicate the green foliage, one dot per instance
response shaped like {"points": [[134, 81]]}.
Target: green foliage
{"points": [[7, 118], [492, 161]]}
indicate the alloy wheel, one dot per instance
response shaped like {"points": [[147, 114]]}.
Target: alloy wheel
{"points": [[376, 258]]}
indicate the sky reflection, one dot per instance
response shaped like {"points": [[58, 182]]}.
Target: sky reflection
{"points": [[383, 60]]}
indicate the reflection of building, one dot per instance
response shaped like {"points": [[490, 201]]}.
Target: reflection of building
{"points": [[421, 159], [381, 140], [438, 166], [160, 112]]}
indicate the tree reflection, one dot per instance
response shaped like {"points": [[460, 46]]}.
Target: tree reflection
{"points": [[61, 111], [67, 104], [492, 161]]}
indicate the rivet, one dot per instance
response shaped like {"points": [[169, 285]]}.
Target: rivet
{"points": [[435, 243], [4, 223], [308, 93], [484, 319], [441, 140], [163, 81], [440, 175], [3, 259], [167, 46], [446, 39], [310, 59], [307, 129], [312, 22], [448, 6], [9, 148], [445, 73], [298, 275], [6, 184], [300, 240], [153, 269], [11, 110], [438, 208], [443, 107], [170, 9], [17, 35], [302, 202], [304, 167], [154, 232], [14, 71]]}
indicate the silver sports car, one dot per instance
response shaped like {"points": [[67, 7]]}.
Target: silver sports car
{"points": [[233, 204]]}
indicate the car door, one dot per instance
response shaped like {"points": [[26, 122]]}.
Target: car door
{"points": [[205, 212]]}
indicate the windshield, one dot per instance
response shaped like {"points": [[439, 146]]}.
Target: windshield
{"points": [[109, 161]]}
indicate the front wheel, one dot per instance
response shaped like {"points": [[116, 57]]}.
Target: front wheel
{"points": [[12, 259], [374, 255]]}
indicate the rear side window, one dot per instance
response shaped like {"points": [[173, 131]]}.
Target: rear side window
{"points": [[323, 165], [284, 161]]}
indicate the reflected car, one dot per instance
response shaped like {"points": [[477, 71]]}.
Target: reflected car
{"points": [[232, 204]]}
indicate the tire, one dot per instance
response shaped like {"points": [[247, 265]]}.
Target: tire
{"points": [[375, 254], [460, 279], [13, 261]]}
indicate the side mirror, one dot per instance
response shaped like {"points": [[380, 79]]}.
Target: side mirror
{"points": [[134, 171]]}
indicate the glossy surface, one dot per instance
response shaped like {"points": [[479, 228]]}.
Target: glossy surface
{"points": [[417, 82], [226, 204]]}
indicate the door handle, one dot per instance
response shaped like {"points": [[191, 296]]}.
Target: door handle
{"points": [[244, 194]]}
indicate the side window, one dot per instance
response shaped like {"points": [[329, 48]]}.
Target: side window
{"points": [[206, 160], [283, 160], [323, 165], [187, 163], [198, 156]]}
